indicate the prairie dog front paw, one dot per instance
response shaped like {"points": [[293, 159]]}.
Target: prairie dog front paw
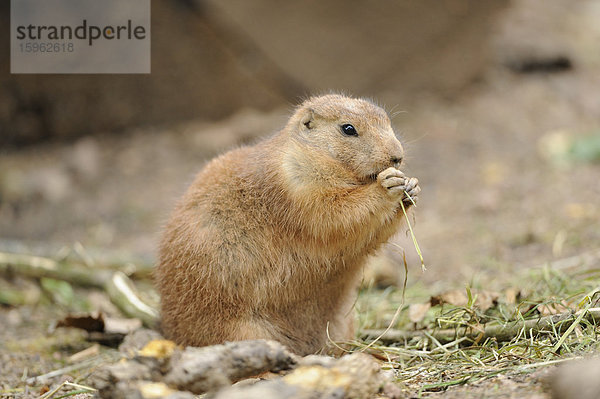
{"points": [[398, 186]]}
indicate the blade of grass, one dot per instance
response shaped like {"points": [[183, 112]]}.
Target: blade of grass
{"points": [[412, 233], [398, 309], [562, 339]]}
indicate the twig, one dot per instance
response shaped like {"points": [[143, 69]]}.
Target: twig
{"points": [[79, 386], [133, 265], [118, 286], [82, 389], [53, 391], [39, 267], [122, 293], [64, 370], [501, 332]]}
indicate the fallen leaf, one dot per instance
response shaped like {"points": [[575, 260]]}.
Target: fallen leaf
{"points": [[454, 297], [483, 299], [553, 308], [417, 311], [86, 322], [486, 299], [511, 295]]}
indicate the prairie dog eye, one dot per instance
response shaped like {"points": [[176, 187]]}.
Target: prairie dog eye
{"points": [[349, 130]]}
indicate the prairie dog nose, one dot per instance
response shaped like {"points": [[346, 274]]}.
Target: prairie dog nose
{"points": [[396, 151], [396, 160]]}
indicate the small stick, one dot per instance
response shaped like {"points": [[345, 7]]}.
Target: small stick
{"points": [[63, 370], [501, 332], [122, 293], [79, 386], [39, 267], [130, 263], [52, 392], [117, 285]]}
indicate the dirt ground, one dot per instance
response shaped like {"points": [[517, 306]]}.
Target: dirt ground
{"points": [[493, 201]]}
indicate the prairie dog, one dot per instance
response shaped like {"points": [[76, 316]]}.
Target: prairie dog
{"points": [[269, 240]]}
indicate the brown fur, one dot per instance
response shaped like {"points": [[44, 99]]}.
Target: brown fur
{"points": [[269, 240]]}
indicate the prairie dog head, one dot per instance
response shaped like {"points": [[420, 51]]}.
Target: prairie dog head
{"points": [[354, 132]]}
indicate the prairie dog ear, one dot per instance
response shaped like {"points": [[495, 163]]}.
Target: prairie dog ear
{"points": [[308, 119]]}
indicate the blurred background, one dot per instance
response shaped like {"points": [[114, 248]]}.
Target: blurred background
{"points": [[497, 103]]}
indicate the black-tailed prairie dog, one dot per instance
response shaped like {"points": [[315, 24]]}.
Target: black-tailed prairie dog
{"points": [[270, 239]]}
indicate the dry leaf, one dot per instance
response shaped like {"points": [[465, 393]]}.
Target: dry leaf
{"points": [[454, 297], [511, 295], [483, 299], [417, 311], [553, 308], [88, 322]]}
